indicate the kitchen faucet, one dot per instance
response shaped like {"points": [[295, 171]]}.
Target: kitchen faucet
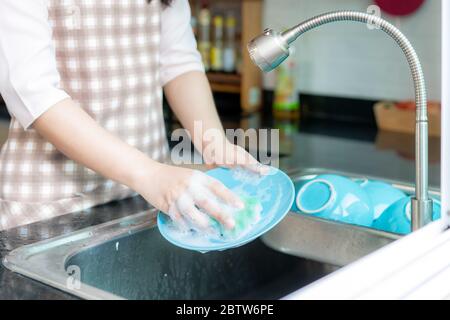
{"points": [[271, 48]]}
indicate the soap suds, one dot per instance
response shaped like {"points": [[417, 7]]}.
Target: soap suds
{"points": [[215, 233], [212, 233]]}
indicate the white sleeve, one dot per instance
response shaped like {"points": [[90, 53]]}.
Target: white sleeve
{"points": [[29, 79], [179, 52]]}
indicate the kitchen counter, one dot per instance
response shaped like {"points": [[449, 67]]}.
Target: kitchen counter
{"points": [[316, 147]]}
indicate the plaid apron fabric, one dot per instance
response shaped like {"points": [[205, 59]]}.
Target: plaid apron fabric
{"points": [[108, 58]]}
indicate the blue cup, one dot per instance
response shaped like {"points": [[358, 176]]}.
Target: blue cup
{"points": [[336, 198], [298, 184], [397, 217], [381, 194]]}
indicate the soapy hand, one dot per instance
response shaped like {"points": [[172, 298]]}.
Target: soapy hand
{"points": [[229, 155], [189, 196]]}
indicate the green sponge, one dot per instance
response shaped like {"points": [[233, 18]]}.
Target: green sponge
{"points": [[244, 218]]}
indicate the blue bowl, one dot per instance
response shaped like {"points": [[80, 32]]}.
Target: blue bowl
{"points": [[336, 198], [381, 194], [275, 192], [298, 184], [397, 218]]}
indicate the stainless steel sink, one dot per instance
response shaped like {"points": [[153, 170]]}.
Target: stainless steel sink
{"points": [[128, 259], [329, 241]]}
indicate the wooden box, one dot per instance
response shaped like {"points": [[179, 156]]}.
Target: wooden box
{"points": [[390, 117]]}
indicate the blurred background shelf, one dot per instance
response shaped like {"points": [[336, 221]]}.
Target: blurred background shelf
{"points": [[225, 82], [245, 18]]}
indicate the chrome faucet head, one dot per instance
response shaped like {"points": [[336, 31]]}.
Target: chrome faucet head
{"points": [[268, 50]]}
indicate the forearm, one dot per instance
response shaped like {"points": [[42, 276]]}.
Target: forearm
{"points": [[73, 132], [190, 97]]}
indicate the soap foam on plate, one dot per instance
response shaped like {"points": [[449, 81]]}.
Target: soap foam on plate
{"points": [[217, 233], [244, 219], [274, 195]]}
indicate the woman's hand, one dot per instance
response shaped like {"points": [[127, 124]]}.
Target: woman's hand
{"points": [[188, 196], [228, 155]]}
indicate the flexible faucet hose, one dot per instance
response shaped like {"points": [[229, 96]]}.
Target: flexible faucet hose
{"points": [[417, 74]]}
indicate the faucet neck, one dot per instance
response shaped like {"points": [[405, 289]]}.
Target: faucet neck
{"points": [[422, 208]]}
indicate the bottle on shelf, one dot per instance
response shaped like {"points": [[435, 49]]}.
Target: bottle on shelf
{"points": [[229, 51], [204, 40], [286, 104], [217, 47]]}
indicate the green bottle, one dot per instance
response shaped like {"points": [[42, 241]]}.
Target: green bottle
{"points": [[286, 104]]}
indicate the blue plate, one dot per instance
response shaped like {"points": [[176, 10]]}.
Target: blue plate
{"points": [[275, 192]]}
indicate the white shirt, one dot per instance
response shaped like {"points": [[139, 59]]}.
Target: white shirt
{"points": [[29, 78]]}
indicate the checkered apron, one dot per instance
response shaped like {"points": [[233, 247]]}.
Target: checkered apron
{"points": [[108, 58]]}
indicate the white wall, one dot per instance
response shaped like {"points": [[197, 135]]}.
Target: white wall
{"points": [[349, 60]]}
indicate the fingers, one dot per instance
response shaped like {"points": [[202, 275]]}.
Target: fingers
{"points": [[187, 208], [244, 159], [217, 211], [225, 194], [253, 165], [197, 217], [257, 168], [177, 218]]}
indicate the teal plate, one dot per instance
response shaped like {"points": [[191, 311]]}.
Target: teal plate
{"points": [[275, 191]]}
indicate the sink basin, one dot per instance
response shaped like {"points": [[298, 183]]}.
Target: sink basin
{"points": [[328, 241], [129, 259]]}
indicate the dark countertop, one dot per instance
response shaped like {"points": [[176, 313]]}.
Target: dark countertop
{"points": [[344, 148]]}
